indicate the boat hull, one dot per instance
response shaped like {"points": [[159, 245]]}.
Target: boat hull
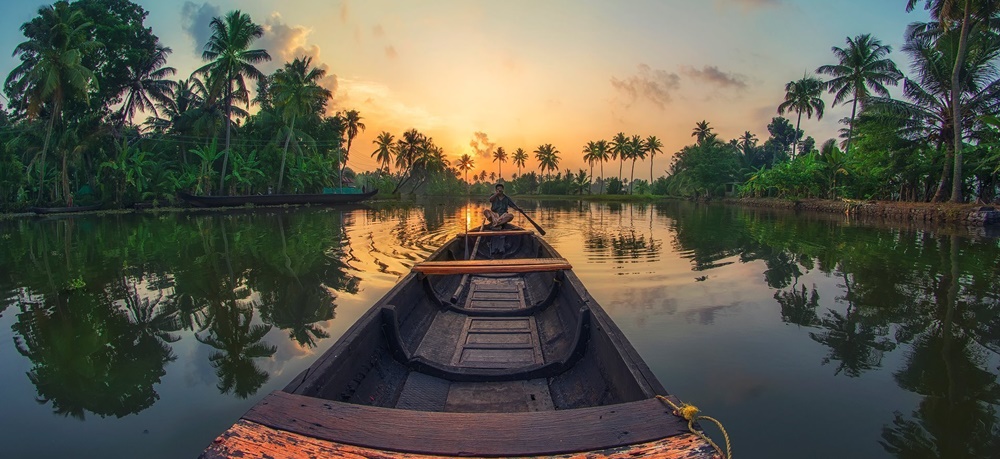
{"points": [[513, 364], [275, 199], [63, 210]]}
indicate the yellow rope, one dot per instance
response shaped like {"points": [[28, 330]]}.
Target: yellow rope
{"points": [[690, 412]]}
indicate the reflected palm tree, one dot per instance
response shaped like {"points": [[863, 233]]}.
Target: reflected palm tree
{"points": [[855, 341], [87, 355], [798, 306], [237, 341]]}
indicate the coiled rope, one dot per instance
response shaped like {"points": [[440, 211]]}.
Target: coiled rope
{"points": [[690, 412]]}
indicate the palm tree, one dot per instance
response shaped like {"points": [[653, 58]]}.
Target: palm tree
{"points": [[466, 163], [590, 156], [520, 157], [148, 85], [637, 150], [352, 121], [52, 72], [500, 156], [701, 131], [928, 111], [619, 145], [231, 63], [804, 95], [962, 17], [653, 146], [386, 146], [862, 68], [602, 153], [548, 158], [296, 92]]}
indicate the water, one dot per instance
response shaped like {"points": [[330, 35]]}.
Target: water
{"points": [[146, 336]]}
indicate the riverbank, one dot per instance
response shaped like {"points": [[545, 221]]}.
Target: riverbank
{"points": [[923, 212]]}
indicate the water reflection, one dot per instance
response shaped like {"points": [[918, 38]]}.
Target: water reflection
{"points": [[100, 307]]}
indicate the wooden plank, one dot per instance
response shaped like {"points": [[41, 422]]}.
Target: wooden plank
{"points": [[464, 434], [500, 233], [499, 269], [250, 440], [503, 262]]}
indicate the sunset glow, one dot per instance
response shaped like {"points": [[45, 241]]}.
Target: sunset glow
{"points": [[526, 73]]}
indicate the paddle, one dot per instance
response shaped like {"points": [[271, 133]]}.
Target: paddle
{"points": [[537, 228]]}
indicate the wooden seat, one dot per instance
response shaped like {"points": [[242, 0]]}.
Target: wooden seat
{"points": [[499, 233], [515, 265]]}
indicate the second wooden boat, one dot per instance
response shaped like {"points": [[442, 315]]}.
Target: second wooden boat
{"points": [[490, 348]]}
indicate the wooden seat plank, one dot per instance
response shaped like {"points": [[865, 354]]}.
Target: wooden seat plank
{"points": [[499, 233], [515, 265], [465, 434]]}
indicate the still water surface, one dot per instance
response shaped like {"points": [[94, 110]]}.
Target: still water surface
{"points": [[147, 335]]}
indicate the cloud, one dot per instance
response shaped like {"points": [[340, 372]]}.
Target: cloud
{"points": [[378, 31], [481, 144], [196, 20], [286, 42], [712, 75], [390, 52], [653, 85], [377, 102], [344, 13]]}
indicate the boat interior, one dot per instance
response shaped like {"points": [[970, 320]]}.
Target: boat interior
{"points": [[452, 337]]}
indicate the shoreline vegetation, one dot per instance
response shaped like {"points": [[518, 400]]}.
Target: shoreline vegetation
{"points": [[86, 126], [933, 215]]}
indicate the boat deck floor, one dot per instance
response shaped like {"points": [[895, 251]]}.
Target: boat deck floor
{"points": [[481, 342]]}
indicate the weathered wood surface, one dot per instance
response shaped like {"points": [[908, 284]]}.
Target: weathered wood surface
{"points": [[250, 440], [463, 434], [514, 265], [499, 233]]}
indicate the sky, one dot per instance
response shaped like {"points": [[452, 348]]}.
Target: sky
{"points": [[522, 73]]}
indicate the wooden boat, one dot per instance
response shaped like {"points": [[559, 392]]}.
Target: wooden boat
{"points": [[63, 210], [275, 199], [502, 353]]}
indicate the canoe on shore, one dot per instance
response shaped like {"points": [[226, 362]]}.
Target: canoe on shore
{"points": [[63, 210], [275, 199], [490, 348]]}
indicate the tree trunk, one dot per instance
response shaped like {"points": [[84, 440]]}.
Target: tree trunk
{"points": [[590, 188], [45, 151], [602, 177], [651, 155], [281, 171], [343, 163], [956, 102], [850, 128], [939, 195], [795, 143], [631, 180], [229, 122]]}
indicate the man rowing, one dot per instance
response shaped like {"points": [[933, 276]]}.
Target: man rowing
{"points": [[497, 214]]}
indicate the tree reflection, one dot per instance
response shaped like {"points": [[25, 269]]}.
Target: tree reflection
{"points": [[89, 355], [798, 306]]}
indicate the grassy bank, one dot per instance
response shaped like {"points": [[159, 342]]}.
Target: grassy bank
{"points": [[927, 212]]}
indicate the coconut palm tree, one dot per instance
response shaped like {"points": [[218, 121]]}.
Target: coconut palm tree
{"points": [[231, 63], [52, 73], [148, 85], [701, 131], [962, 15], [803, 95], [466, 163], [619, 145], [500, 157], [602, 153], [928, 111], [296, 93], [637, 150], [590, 156], [863, 68], [520, 157], [352, 123], [385, 147], [548, 158], [653, 146]]}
